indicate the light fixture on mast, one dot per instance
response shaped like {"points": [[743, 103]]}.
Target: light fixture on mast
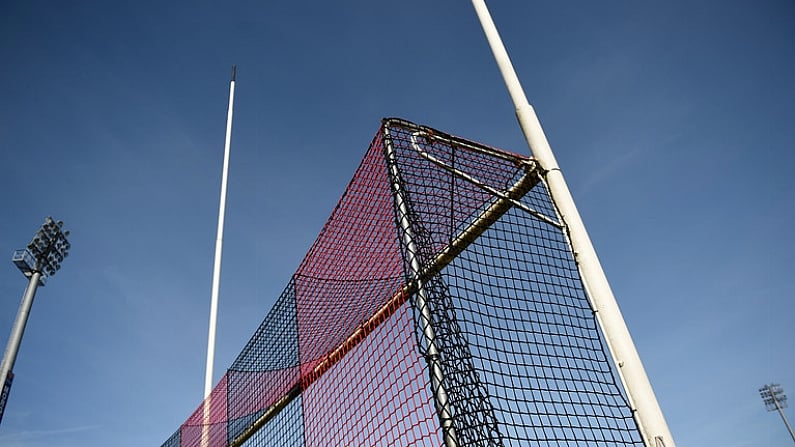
{"points": [[40, 260], [775, 400]]}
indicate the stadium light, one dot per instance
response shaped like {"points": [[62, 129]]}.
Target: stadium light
{"points": [[775, 400], [41, 259]]}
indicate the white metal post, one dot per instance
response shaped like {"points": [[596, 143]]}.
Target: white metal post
{"points": [[219, 243], [651, 421]]}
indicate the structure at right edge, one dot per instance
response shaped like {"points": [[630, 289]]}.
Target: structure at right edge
{"points": [[439, 306]]}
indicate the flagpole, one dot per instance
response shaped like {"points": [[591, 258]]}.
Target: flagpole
{"points": [[642, 400]]}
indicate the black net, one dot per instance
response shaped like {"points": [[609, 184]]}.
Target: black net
{"points": [[523, 360]]}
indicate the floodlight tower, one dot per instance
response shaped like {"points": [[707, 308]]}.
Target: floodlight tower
{"points": [[774, 398], [38, 261]]}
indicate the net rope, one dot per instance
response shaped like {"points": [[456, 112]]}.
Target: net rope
{"points": [[440, 304]]}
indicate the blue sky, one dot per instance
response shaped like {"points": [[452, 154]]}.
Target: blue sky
{"points": [[672, 122]]}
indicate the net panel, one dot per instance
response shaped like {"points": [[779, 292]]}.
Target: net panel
{"points": [[352, 269], [208, 421], [519, 344], [380, 395], [433, 235], [267, 369], [285, 429]]}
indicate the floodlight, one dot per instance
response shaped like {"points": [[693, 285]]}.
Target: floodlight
{"points": [[775, 400], [39, 260]]}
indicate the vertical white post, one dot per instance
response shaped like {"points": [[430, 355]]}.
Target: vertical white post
{"points": [[648, 414], [219, 242]]}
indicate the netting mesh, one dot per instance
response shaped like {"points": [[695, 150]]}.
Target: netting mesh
{"points": [[440, 305]]}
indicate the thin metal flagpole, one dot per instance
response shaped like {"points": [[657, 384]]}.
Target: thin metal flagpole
{"points": [[645, 407], [219, 243]]}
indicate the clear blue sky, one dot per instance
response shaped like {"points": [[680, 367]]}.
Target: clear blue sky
{"points": [[674, 123]]}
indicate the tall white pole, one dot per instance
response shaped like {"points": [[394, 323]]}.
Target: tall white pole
{"points": [[645, 407], [219, 243]]}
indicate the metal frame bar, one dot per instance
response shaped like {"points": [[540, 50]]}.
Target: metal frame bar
{"points": [[426, 321], [460, 174]]}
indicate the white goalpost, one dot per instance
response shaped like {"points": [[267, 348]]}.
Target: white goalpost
{"points": [[644, 403]]}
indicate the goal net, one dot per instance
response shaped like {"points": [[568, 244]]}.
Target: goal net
{"points": [[439, 306]]}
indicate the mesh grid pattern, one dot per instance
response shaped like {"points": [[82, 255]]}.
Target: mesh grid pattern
{"points": [[519, 343], [441, 272], [285, 429], [380, 402], [537, 340], [266, 369]]}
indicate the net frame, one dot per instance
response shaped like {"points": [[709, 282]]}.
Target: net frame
{"points": [[466, 415]]}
